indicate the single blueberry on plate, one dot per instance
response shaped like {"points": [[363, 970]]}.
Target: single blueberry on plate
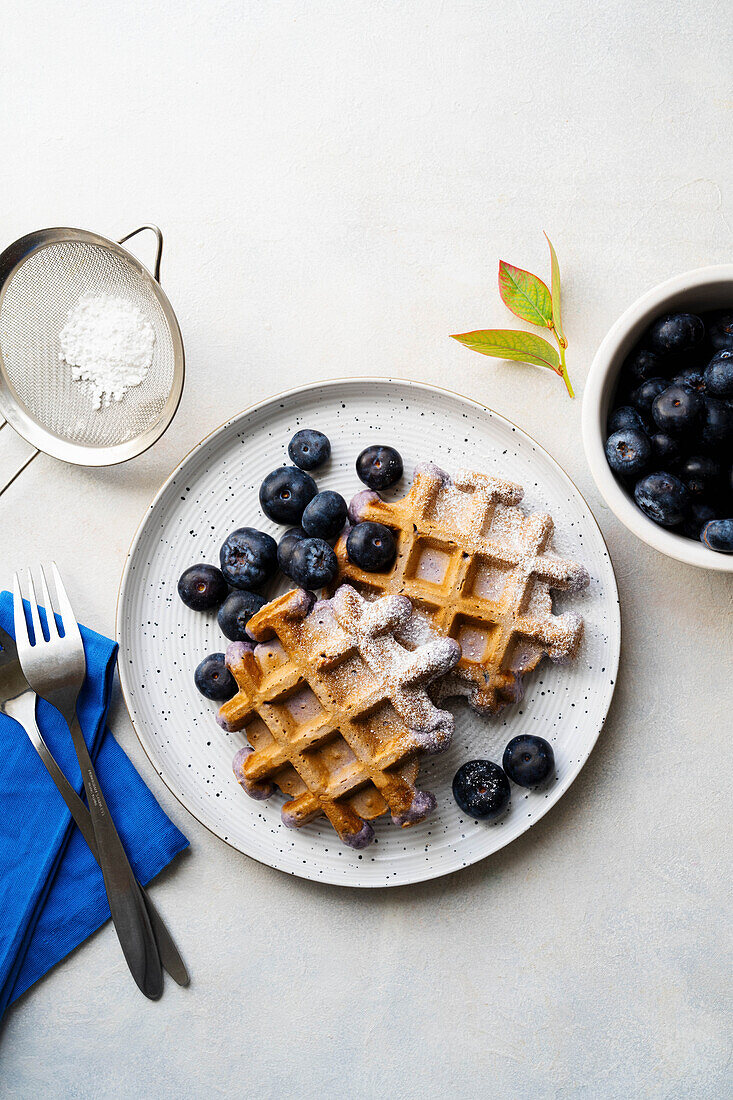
{"points": [[213, 678], [236, 611], [700, 513], [717, 424], [248, 558], [718, 535], [643, 395], [312, 563], [528, 760], [202, 587], [665, 447], [663, 498], [677, 409], [286, 545], [309, 449], [379, 467], [701, 474], [628, 451], [371, 546], [693, 377], [285, 492], [676, 332], [482, 789], [720, 331], [625, 417], [719, 374], [640, 365], [325, 516]]}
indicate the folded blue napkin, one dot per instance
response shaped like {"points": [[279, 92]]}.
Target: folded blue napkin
{"points": [[51, 889]]}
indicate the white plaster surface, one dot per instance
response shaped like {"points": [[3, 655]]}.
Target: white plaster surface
{"points": [[336, 182]]}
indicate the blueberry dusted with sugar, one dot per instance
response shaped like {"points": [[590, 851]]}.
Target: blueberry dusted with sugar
{"points": [[325, 516], [677, 409], [528, 760], [285, 492], [202, 587], [379, 467], [663, 498], [628, 451], [718, 535], [371, 546], [676, 332], [643, 396], [309, 449], [248, 558], [213, 678], [481, 789], [720, 332], [640, 365], [312, 563], [719, 375], [717, 424], [666, 448], [693, 378], [701, 474], [236, 611], [625, 417], [286, 545]]}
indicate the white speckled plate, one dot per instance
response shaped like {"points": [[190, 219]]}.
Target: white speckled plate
{"points": [[214, 490]]}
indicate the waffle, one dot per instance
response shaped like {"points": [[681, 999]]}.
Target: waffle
{"points": [[336, 711], [477, 569]]}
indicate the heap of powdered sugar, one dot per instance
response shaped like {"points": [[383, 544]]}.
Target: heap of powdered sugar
{"points": [[108, 342]]}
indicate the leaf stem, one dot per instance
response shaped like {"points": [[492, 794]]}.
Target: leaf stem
{"points": [[563, 372]]}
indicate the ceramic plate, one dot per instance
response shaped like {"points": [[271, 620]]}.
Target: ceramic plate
{"points": [[214, 490]]}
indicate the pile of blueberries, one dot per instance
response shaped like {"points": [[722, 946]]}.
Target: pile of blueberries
{"points": [[250, 558], [670, 432], [481, 788]]}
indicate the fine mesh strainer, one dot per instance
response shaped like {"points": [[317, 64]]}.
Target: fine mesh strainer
{"points": [[42, 276]]}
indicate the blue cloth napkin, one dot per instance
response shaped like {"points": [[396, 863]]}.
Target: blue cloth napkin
{"points": [[51, 889]]}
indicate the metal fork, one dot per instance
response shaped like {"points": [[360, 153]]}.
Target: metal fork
{"points": [[55, 669], [18, 701]]}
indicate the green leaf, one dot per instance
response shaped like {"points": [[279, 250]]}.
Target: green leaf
{"points": [[525, 295], [556, 317], [503, 343]]}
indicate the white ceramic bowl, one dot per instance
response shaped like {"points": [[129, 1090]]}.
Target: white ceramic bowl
{"points": [[694, 291]]}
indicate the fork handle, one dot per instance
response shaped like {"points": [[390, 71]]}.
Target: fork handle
{"points": [[126, 903]]}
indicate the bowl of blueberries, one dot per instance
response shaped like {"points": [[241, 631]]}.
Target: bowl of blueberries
{"points": [[658, 418]]}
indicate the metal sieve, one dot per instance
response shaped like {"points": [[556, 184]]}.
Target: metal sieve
{"points": [[42, 276]]}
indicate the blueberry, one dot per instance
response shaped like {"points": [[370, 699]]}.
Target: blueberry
{"points": [[665, 447], [202, 587], [717, 423], [624, 417], [628, 452], [248, 558], [325, 516], [643, 395], [693, 377], [663, 498], [213, 678], [528, 760], [309, 449], [285, 492], [640, 365], [720, 331], [312, 563], [379, 467], [718, 535], [481, 789], [286, 545], [676, 332], [699, 514], [371, 546], [677, 409], [719, 374], [236, 611], [701, 474]]}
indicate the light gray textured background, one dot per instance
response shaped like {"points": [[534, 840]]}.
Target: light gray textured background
{"points": [[336, 182]]}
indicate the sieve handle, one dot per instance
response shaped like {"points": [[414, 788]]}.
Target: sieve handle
{"points": [[159, 237]]}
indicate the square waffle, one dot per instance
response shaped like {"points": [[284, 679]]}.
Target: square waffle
{"points": [[477, 569], [336, 710]]}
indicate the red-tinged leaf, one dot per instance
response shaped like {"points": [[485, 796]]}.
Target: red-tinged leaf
{"points": [[525, 295], [522, 347], [556, 315]]}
